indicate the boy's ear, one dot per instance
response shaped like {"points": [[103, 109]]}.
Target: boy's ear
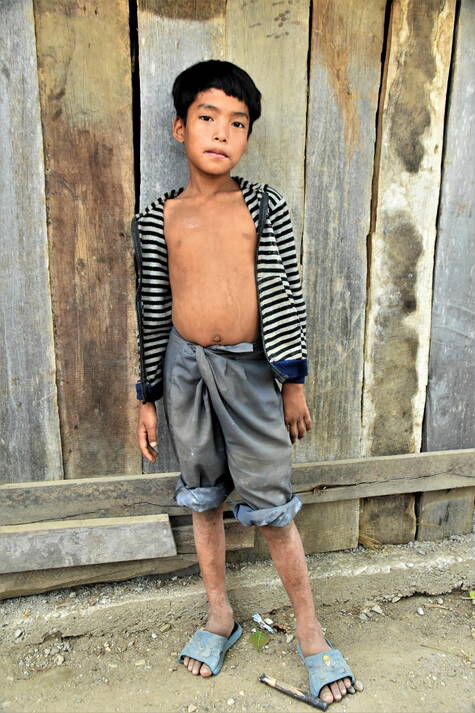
{"points": [[178, 129]]}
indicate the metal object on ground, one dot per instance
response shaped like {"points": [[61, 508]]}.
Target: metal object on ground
{"points": [[294, 692]]}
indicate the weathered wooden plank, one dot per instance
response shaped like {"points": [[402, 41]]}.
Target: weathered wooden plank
{"points": [[450, 410], [328, 481], [16, 584], [405, 200], [345, 67], [389, 519], [445, 513], [172, 36], [85, 92], [30, 443], [276, 152], [237, 537], [80, 542]]}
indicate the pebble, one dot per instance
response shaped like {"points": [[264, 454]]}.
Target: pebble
{"points": [[165, 627], [377, 609], [395, 599], [140, 663], [359, 686], [268, 621], [153, 635], [420, 611], [363, 617], [410, 564], [18, 633], [241, 693], [230, 701], [289, 638], [440, 600], [59, 659], [191, 708]]}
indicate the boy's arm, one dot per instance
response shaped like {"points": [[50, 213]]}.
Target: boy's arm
{"points": [[284, 233]]}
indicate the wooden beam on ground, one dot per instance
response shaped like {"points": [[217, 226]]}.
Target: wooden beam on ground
{"points": [[86, 112], [30, 442], [81, 542], [402, 238], [450, 411], [327, 481], [345, 68], [444, 513]]}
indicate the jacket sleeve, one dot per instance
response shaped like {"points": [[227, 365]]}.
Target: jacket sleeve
{"points": [[149, 303], [285, 238]]}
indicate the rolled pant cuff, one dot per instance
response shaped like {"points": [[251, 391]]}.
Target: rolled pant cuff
{"points": [[278, 516], [199, 499]]}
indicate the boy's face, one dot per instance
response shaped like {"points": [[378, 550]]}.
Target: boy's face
{"points": [[218, 122]]}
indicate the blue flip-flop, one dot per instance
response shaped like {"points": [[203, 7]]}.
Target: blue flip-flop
{"points": [[325, 668], [210, 648]]}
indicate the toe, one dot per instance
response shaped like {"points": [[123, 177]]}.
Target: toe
{"points": [[205, 670], [347, 682], [196, 667], [325, 695], [342, 687], [335, 689], [185, 660]]}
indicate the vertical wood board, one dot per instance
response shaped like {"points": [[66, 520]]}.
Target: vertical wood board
{"points": [[172, 36], [270, 42], [85, 91], [347, 38], [450, 410], [30, 443], [406, 192]]}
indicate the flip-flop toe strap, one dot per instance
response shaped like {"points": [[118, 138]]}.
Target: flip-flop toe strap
{"points": [[325, 668]]}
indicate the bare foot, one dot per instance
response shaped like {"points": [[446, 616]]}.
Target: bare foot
{"points": [[312, 641], [221, 622]]}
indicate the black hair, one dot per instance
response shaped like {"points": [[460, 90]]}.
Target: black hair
{"points": [[217, 74]]}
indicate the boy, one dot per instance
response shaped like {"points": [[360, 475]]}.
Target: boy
{"points": [[221, 317]]}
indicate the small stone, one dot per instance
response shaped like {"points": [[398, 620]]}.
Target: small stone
{"points": [[230, 701], [140, 663], [174, 578], [18, 633], [174, 653], [191, 708], [359, 686], [410, 564], [440, 600], [112, 665], [10, 678], [241, 693], [165, 627], [420, 611], [395, 599], [59, 659], [72, 595], [268, 621], [77, 700], [363, 617], [153, 635], [377, 609], [289, 638]]}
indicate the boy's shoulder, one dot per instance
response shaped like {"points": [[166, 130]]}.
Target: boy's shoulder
{"points": [[247, 187]]}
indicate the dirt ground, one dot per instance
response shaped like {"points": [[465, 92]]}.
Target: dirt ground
{"points": [[414, 655]]}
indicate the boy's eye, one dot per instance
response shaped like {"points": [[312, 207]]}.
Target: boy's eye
{"points": [[206, 116]]}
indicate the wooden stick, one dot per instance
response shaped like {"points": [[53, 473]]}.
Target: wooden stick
{"points": [[294, 692]]}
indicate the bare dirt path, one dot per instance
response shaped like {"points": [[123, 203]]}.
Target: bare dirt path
{"points": [[409, 663]]}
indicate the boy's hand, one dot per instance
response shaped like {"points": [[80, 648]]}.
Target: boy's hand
{"points": [[296, 414], [147, 430]]}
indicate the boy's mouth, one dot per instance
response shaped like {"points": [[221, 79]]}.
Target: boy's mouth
{"points": [[218, 154]]}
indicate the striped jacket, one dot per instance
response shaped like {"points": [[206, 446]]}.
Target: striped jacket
{"points": [[281, 305]]}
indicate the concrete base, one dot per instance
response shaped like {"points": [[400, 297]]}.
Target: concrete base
{"points": [[348, 577]]}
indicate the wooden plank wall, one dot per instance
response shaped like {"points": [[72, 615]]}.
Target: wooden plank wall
{"points": [[352, 132], [30, 443], [85, 93]]}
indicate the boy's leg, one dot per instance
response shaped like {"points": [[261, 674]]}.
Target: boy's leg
{"points": [[208, 528], [285, 545]]}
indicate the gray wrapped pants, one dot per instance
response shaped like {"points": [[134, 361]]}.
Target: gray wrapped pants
{"points": [[225, 416]]}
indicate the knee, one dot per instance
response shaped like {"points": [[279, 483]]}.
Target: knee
{"points": [[273, 531]]}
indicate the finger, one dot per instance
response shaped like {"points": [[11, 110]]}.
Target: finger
{"points": [[301, 428], [293, 431], [308, 422], [143, 444]]}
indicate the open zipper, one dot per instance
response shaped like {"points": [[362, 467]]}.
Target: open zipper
{"points": [[260, 226]]}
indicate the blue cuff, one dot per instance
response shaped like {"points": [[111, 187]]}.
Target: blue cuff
{"points": [[278, 516], [152, 393], [294, 369]]}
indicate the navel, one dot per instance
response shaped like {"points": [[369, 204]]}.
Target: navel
{"points": [[216, 338]]}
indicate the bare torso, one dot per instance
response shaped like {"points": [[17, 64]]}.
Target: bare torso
{"points": [[211, 264]]}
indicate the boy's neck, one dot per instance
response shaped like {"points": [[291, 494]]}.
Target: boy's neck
{"points": [[204, 186]]}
